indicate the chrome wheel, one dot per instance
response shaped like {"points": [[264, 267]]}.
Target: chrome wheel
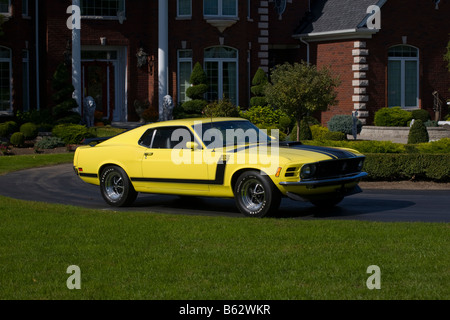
{"points": [[256, 195], [253, 195], [114, 186]]}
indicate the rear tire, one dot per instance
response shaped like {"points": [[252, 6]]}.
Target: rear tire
{"points": [[256, 195], [116, 187]]}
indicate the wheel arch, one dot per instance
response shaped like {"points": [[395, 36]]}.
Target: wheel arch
{"points": [[237, 173]]}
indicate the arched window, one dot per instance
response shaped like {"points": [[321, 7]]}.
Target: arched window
{"points": [[5, 80], [403, 77], [221, 67]]}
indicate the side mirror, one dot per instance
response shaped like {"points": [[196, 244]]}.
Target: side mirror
{"points": [[192, 145]]}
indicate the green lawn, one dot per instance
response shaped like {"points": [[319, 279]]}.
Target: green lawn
{"points": [[131, 255], [144, 255], [14, 163]]}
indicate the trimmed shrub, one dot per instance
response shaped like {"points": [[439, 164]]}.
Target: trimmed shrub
{"points": [[431, 124], [421, 114], [259, 82], [392, 117], [17, 139], [29, 130], [334, 136], [390, 167], [221, 108], [305, 131], [343, 123], [49, 143], [418, 133], [318, 132], [71, 133], [196, 92], [7, 128]]}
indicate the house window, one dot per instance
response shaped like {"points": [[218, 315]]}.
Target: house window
{"points": [[184, 8], [5, 80], [25, 80], [25, 8], [224, 8], [221, 67], [403, 77], [184, 73], [102, 8], [4, 6]]}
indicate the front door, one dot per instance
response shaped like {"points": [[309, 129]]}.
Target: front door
{"points": [[98, 82]]}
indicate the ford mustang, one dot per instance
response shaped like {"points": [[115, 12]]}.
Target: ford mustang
{"points": [[218, 157]]}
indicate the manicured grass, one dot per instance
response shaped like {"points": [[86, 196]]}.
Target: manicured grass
{"points": [[14, 163], [131, 255]]}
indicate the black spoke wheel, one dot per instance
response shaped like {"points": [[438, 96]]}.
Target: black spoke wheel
{"points": [[116, 188], [256, 195]]}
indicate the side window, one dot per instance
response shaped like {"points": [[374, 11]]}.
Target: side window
{"points": [[147, 137], [171, 137]]}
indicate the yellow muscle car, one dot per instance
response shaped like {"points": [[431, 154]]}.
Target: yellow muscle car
{"points": [[218, 157]]}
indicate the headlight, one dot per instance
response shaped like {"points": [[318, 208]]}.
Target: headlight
{"points": [[360, 164], [308, 171]]}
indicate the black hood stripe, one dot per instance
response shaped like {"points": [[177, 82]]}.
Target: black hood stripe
{"points": [[331, 152]]}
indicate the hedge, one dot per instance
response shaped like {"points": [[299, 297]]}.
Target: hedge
{"points": [[415, 166]]}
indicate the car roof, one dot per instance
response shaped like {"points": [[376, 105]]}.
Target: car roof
{"points": [[192, 121]]}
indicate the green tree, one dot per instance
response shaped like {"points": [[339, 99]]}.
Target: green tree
{"points": [[418, 133], [300, 89], [259, 83]]}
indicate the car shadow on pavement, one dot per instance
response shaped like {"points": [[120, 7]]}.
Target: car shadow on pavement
{"points": [[348, 208]]}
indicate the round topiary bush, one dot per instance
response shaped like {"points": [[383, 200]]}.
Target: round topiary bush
{"points": [[421, 114], [418, 133], [392, 117], [343, 123], [17, 139], [7, 128], [29, 130]]}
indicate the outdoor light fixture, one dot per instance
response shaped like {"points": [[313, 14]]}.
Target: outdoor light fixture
{"points": [[142, 57]]}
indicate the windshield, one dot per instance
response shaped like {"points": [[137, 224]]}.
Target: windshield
{"points": [[230, 133]]}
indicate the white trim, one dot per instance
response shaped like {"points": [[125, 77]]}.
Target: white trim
{"points": [[337, 34]]}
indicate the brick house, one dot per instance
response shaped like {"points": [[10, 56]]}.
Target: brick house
{"points": [[140, 50], [395, 61]]}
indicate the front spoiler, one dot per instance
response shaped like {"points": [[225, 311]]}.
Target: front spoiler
{"points": [[325, 182]]}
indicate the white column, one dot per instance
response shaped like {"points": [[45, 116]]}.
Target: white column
{"points": [[163, 52], [76, 62]]}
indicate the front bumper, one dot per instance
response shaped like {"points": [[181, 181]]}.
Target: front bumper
{"points": [[325, 182]]}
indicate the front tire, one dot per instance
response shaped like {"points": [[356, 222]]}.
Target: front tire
{"points": [[116, 187], [256, 195]]}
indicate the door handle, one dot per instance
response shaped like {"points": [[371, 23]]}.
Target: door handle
{"points": [[148, 154]]}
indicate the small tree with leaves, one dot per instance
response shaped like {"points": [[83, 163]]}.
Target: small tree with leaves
{"points": [[300, 89], [259, 83]]}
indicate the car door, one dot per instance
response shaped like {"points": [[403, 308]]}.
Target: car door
{"points": [[169, 164]]}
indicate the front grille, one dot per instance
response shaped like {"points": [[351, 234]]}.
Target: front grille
{"points": [[290, 172], [337, 168]]}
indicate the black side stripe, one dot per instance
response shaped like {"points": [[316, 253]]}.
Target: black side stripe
{"points": [[88, 175], [331, 152], [219, 179]]}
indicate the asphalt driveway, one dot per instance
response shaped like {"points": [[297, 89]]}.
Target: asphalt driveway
{"points": [[59, 184]]}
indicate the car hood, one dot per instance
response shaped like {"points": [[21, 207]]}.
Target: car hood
{"points": [[297, 152]]}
